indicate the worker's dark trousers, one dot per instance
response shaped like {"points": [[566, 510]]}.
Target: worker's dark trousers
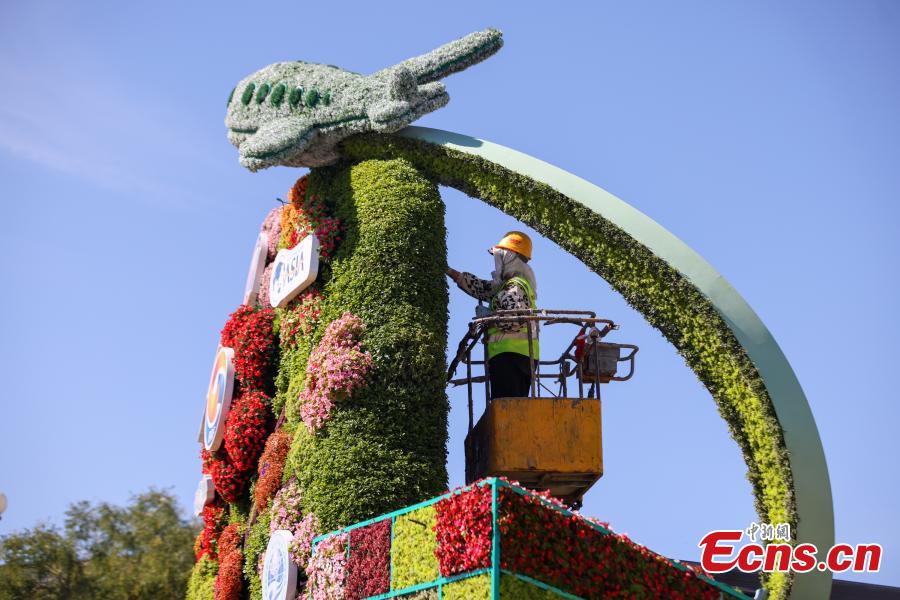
{"points": [[510, 375]]}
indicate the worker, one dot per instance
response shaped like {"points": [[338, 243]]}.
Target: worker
{"points": [[512, 286]]}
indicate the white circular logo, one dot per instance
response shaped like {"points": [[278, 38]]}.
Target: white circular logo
{"points": [[279, 576], [257, 264], [218, 398], [204, 494]]}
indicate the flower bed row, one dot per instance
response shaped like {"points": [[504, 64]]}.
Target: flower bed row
{"points": [[448, 544]]}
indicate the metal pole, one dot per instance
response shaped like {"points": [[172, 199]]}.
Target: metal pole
{"points": [[531, 360], [487, 374], [580, 379], [469, 385]]}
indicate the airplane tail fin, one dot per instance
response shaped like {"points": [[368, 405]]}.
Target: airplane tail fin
{"points": [[454, 57]]}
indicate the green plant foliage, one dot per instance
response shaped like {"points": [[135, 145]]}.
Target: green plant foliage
{"points": [[278, 95], [666, 300], [239, 512], [295, 97], [312, 97], [262, 93], [41, 562], [254, 547], [472, 588], [385, 446], [291, 376], [201, 585], [247, 96], [515, 588], [135, 552], [412, 551]]}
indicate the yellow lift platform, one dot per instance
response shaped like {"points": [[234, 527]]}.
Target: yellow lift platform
{"points": [[550, 442]]}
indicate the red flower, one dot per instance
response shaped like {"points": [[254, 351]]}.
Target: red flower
{"points": [[463, 530], [309, 214], [229, 481], [271, 468], [231, 561], [214, 519], [246, 427], [249, 333], [369, 566], [564, 550]]}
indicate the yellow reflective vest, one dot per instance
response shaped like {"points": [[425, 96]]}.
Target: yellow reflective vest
{"points": [[515, 340]]}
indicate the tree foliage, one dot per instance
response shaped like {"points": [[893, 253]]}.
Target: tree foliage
{"points": [[139, 551]]}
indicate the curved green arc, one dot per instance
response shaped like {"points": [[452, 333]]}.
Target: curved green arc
{"points": [[807, 503]]}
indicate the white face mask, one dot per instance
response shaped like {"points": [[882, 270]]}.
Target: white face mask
{"points": [[497, 273]]}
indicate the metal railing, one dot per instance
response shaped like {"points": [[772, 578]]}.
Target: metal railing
{"points": [[596, 363]]}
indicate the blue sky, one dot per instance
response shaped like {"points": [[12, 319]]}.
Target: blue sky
{"points": [[765, 135]]}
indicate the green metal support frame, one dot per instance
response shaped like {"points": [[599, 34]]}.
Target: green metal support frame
{"points": [[495, 571], [811, 487]]}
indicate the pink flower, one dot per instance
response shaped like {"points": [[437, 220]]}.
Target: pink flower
{"points": [[327, 571], [272, 228], [336, 368]]}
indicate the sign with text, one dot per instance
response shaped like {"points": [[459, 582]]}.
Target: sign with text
{"points": [[257, 265], [293, 271], [218, 398], [279, 576]]}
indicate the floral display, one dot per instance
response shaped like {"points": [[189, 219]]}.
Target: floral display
{"points": [[568, 553], [665, 297], [300, 318], [297, 193], [214, 520], [256, 540], [327, 571], [385, 445], [413, 550], [290, 217], [271, 468], [336, 368], [229, 581], [463, 528], [546, 551], [306, 214], [229, 481], [262, 297], [272, 228], [287, 507], [246, 428], [287, 513], [369, 565], [249, 331], [302, 544]]}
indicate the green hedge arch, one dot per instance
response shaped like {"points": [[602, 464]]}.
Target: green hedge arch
{"points": [[678, 292]]}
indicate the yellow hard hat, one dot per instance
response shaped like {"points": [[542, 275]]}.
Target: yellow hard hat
{"points": [[517, 242]]}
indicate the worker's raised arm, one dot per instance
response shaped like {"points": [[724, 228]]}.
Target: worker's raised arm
{"points": [[480, 289]]}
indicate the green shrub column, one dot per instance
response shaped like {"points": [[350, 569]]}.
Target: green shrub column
{"points": [[385, 446]]}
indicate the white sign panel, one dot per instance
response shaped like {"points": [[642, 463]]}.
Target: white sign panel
{"points": [[204, 494], [279, 576], [293, 271], [257, 265], [218, 398]]}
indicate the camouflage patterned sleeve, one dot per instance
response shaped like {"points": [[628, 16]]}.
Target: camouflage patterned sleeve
{"points": [[480, 289], [512, 297]]}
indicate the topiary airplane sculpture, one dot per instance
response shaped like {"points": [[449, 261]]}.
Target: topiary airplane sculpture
{"points": [[295, 113]]}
